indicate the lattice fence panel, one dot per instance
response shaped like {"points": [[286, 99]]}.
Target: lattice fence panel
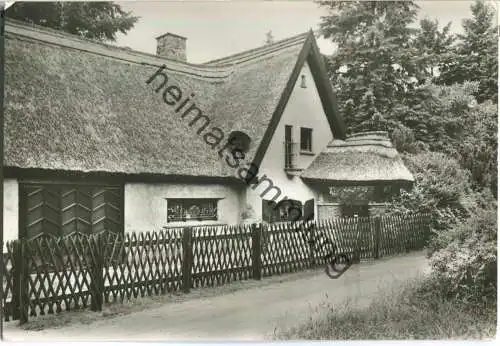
{"points": [[328, 238], [58, 273], [286, 249], [142, 264], [8, 281], [221, 254]]}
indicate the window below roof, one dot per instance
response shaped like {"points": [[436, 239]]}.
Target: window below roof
{"points": [[303, 81], [306, 140], [284, 211], [239, 140], [192, 209]]}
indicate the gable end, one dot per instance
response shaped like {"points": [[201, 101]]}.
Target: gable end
{"points": [[310, 54]]}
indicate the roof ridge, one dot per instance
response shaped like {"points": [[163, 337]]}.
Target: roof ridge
{"points": [[352, 145], [368, 133], [215, 75], [13, 25], [220, 70], [68, 41], [258, 58], [273, 47]]}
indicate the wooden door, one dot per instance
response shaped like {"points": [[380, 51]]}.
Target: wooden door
{"points": [[63, 209]]}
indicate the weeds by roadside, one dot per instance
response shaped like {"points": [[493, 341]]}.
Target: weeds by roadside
{"points": [[416, 310]]}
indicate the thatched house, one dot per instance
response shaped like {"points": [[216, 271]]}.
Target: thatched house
{"points": [[101, 137], [357, 175]]}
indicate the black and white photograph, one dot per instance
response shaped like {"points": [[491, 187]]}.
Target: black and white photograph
{"points": [[249, 170]]}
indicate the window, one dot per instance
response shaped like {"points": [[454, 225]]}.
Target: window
{"points": [[239, 140], [288, 133], [288, 210], [189, 209], [303, 81], [305, 139], [289, 147]]}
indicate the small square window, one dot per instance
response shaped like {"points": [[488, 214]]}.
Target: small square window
{"points": [[191, 209], [305, 139]]}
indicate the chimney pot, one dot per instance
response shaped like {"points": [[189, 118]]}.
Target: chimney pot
{"points": [[171, 46]]}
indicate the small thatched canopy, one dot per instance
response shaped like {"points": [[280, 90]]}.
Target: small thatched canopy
{"points": [[362, 159]]}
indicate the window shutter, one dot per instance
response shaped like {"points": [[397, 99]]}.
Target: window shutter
{"points": [[309, 210]]}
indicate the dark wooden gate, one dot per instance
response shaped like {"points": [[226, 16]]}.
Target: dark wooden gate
{"points": [[65, 208]]}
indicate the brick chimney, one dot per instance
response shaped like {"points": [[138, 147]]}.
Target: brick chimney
{"points": [[171, 46]]}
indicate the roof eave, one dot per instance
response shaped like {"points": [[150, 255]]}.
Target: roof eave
{"points": [[353, 182], [32, 174], [325, 90]]}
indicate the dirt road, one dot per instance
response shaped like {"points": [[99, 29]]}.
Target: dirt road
{"points": [[250, 314]]}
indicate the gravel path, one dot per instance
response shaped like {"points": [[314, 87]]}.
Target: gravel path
{"points": [[247, 314]]}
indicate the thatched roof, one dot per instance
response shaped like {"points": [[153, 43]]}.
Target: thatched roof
{"points": [[367, 157], [77, 105]]}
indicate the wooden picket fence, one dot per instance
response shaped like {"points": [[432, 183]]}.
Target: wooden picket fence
{"points": [[49, 275]]}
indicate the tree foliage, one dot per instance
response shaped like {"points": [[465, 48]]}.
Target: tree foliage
{"points": [[451, 121], [93, 20], [475, 56], [373, 67], [440, 189], [434, 46], [385, 76], [436, 94]]}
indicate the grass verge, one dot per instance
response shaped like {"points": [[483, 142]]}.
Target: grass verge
{"points": [[414, 310]]}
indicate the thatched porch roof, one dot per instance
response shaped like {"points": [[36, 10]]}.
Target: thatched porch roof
{"points": [[363, 158]]}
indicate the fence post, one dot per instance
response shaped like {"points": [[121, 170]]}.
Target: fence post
{"points": [[97, 280], [187, 258], [20, 282], [20, 294], [256, 251], [16, 279], [311, 229], [357, 247], [407, 230], [378, 223], [25, 299]]}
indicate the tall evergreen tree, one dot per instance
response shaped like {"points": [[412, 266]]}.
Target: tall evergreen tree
{"points": [[374, 66], [476, 54], [434, 47]]}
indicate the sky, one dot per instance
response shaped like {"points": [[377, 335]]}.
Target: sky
{"points": [[219, 28]]}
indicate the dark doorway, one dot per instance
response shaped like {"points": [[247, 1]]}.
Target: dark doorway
{"points": [[351, 210]]}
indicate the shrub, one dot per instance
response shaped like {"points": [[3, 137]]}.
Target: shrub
{"points": [[467, 265], [441, 188]]}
